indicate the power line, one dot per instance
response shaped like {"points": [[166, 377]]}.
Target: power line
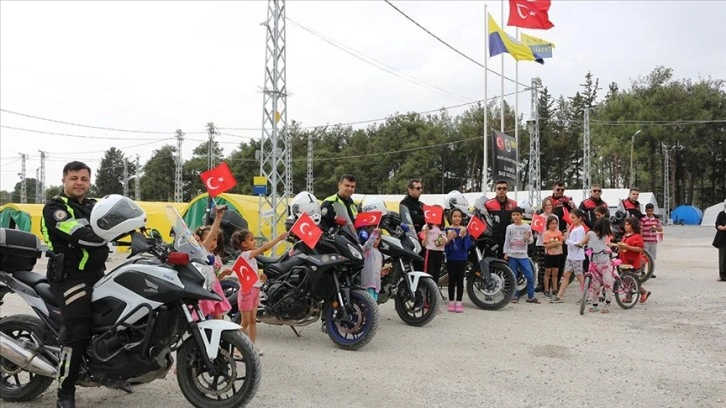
{"points": [[378, 64], [453, 48], [656, 122], [68, 135], [94, 127]]}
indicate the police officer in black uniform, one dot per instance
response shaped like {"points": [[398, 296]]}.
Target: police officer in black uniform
{"points": [[77, 263], [411, 210]]}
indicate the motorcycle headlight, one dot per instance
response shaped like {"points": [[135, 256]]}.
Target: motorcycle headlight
{"points": [[356, 253]]}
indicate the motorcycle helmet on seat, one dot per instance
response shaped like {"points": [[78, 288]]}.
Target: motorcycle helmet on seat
{"points": [[456, 200], [114, 216], [373, 204], [305, 202]]}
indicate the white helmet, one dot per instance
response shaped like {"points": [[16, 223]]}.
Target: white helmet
{"points": [[526, 207], [479, 204], [115, 215], [456, 200], [373, 204], [305, 202]]}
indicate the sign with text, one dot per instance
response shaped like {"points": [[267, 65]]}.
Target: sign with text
{"points": [[504, 163]]}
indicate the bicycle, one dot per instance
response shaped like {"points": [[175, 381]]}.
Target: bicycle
{"points": [[626, 288]]}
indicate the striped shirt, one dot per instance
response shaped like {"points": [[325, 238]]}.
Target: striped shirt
{"points": [[648, 226]]}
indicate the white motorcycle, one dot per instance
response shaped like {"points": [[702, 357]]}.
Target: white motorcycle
{"points": [[143, 311]]}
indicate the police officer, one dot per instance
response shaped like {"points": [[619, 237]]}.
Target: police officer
{"points": [[631, 205], [346, 188], [589, 205], [77, 264], [500, 208], [410, 208]]}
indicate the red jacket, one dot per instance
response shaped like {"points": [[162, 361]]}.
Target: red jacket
{"points": [[501, 213]]}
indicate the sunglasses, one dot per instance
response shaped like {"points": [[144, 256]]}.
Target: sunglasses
{"points": [[597, 191], [417, 188], [559, 189], [501, 188]]}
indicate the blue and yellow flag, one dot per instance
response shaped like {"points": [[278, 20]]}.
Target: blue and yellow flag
{"points": [[500, 42], [541, 47]]}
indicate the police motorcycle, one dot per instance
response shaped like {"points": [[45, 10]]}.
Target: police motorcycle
{"points": [[415, 293], [306, 284], [490, 282], [143, 311]]}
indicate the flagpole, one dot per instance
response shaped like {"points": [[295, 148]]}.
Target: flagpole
{"points": [[485, 152], [501, 116], [516, 119]]}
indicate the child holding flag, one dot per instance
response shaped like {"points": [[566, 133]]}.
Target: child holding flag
{"points": [[248, 297]]}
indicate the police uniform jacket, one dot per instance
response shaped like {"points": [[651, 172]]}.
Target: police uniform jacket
{"points": [[327, 211], [588, 206], [66, 229], [501, 213], [415, 209]]}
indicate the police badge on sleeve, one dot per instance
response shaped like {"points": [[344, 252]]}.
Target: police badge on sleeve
{"points": [[60, 215]]}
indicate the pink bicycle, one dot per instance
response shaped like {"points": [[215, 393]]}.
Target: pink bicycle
{"points": [[626, 287]]}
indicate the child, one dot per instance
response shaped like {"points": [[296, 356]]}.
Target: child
{"points": [[651, 227], [457, 247], [575, 254], [434, 240], [212, 239], [516, 240], [597, 239], [372, 268], [248, 302], [553, 240], [540, 249], [631, 248]]}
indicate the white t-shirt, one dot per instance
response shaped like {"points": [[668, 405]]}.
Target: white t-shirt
{"points": [[574, 252]]}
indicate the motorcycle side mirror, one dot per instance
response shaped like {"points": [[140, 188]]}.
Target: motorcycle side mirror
{"points": [[340, 221]]}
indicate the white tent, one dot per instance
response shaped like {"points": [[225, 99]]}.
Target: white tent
{"points": [[612, 196], [709, 216]]}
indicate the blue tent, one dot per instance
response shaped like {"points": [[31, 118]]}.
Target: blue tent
{"points": [[687, 214]]}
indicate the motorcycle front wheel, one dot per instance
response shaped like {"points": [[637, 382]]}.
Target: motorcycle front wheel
{"points": [[420, 309], [358, 327], [494, 293], [237, 377], [17, 385]]}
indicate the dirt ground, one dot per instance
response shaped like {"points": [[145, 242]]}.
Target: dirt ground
{"points": [[667, 352]]}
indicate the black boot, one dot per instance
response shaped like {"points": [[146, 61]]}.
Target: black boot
{"points": [[66, 399]]}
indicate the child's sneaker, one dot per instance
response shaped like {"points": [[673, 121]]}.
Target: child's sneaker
{"points": [[452, 307], [459, 307], [594, 309], [548, 295]]}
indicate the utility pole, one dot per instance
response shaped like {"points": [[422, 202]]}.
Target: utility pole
{"points": [[535, 179], [178, 189], [586, 181], [23, 182], [37, 185], [42, 177], [309, 184], [137, 181], [275, 147], [211, 162], [126, 178]]}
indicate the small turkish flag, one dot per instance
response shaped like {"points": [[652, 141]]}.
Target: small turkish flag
{"points": [[368, 218], [433, 214], [245, 273], [566, 214], [530, 14], [218, 180], [305, 229], [538, 223], [476, 227]]}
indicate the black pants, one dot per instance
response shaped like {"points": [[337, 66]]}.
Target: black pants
{"points": [[456, 279], [434, 260], [73, 295], [722, 262]]}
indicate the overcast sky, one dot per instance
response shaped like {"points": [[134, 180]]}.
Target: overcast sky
{"points": [[162, 66]]}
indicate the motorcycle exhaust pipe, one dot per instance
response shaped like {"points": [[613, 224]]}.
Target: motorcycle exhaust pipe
{"points": [[28, 360]]}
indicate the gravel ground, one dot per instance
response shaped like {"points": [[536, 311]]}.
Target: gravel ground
{"points": [[667, 352]]}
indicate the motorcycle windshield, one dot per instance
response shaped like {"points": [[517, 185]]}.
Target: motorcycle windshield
{"points": [[348, 228], [184, 240]]}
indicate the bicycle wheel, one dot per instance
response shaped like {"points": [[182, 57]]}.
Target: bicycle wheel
{"points": [[627, 290], [646, 267], [585, 291]]}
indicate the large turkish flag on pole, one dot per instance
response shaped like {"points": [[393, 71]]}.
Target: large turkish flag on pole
{"points": [[530, 14]]}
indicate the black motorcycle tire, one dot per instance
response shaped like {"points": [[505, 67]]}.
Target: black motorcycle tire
{"points": [[427, 292], [365, 310], [509, 286], [17, 326], [189, 360]]}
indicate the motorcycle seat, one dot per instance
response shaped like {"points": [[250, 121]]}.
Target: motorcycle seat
{"points": [[46, 294], [266, 260], [277, 269], [30, 278]]}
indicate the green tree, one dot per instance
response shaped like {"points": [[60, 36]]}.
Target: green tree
{"points": [[157, 180], [110, 173]]}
